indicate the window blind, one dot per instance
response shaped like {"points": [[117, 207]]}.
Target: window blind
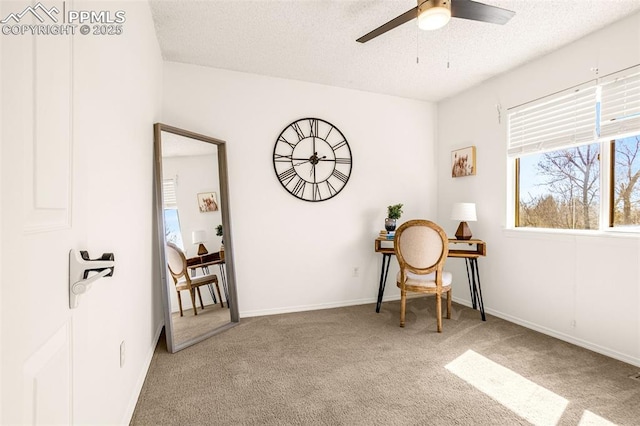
{"points": [[620, 105], [169, 193], [560, 120]]}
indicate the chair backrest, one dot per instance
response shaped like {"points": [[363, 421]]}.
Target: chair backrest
{"points": [[421, 246], [177, 261]]}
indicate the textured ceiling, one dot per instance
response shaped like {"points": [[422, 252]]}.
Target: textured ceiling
{"points": [[314, 41]]}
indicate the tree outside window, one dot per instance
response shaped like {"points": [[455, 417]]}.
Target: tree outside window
{"points": [[625, 207], [560, 189]]}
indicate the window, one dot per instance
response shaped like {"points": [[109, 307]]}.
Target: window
{"points": [[173, 233], [562, 145]]}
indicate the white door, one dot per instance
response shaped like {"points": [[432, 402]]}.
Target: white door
{"points": [[42, 220]]}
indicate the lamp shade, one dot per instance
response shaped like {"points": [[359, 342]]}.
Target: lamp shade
{"points": [[464, 212], [198, 237]]}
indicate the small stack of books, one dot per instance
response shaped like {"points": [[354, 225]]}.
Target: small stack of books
{"points": [[389, 235]]}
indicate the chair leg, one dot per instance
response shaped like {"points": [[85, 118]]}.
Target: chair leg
{"points": [[200, 297], [219, 294], [403, 305], [439, 311], [180, 303], [449, 304], [193, 301]]}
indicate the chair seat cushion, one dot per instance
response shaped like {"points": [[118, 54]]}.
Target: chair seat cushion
{"points": [[206, 279], [196, 281], [428, 280]]}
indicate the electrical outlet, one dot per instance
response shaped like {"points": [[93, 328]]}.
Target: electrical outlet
{"points": [[573, 324], [122, 354], [356, 271]]}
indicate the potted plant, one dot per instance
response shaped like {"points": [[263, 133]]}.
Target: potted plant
{"points": [[393, 213], [219, 234]]}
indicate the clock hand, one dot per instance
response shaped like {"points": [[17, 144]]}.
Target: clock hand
{"points": [[313, 159]]}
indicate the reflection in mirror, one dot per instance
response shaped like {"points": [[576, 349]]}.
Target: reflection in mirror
{"points": [[193, 223]]}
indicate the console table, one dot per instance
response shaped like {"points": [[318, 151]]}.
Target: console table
{"points": [[476, 248]]}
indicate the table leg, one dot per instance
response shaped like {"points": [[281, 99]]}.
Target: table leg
{"points": [[384, 271], [471, 280], [224, 283], [473, 275], [478, 288], [205, 271]]}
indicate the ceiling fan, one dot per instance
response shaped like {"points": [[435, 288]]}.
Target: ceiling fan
{"points": [[434, 14]]}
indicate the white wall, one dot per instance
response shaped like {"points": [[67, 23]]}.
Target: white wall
{"points": [[290, 254], [115, 97], [543, 280], [117, 85]]}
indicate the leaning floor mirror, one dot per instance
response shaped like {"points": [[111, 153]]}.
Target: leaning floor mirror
{"points": [[194, 236]]}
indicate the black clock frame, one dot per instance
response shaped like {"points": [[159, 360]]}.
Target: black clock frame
{"points": [[337, 177]]}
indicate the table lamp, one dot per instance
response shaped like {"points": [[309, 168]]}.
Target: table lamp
{"points": [[464, 212], [199, 237]]}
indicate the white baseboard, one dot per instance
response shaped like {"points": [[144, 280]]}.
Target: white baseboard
{"points": [[302, 308], [558, 335], [141, 377]]}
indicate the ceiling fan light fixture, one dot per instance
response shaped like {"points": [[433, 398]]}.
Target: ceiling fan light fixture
{"points": [[433, 14]]}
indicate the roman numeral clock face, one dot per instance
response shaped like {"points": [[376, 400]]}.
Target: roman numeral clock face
{"points": [[312, 159]]}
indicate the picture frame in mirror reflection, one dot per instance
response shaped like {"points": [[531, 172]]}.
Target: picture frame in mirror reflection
{"points": [[207, 202], [199, 161]]}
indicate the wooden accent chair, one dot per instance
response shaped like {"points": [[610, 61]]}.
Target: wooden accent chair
{"points": [[421, 248], [178, 269]]}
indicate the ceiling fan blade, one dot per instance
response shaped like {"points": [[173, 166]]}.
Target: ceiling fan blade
{"points": [[405, 17], [468, 9]]}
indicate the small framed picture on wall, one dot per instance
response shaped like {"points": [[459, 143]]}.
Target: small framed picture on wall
{"points": [[207, 202], [463, 162]]}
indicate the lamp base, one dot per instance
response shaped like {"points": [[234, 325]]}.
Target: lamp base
{"points": [[463, 232], [202, 250]]}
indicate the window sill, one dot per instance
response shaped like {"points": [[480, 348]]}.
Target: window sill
{"points": [[559, 234]]}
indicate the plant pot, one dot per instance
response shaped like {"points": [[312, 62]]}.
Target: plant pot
{"points": [[390, 224]]}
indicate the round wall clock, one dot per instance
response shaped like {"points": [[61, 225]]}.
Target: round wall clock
{"points": [[312, 159]]}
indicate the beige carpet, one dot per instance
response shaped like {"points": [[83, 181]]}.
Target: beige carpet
{"points": [[351, 366], [190, 326]]}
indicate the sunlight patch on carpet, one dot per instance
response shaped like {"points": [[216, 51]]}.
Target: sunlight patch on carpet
{"points": [[530, 401], [590, 419]]}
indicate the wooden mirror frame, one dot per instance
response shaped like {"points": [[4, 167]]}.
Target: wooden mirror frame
{"points": [[168, 285]]}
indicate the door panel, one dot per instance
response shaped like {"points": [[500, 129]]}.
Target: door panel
{"points": [[52, 127], [48, 372], [47, 162]]}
